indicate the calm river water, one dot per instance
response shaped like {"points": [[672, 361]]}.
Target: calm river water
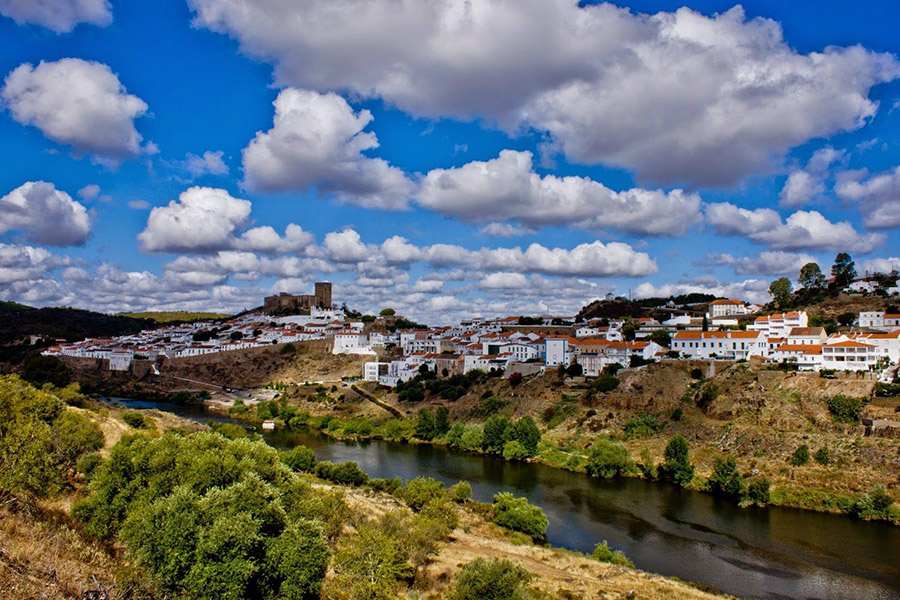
{"points": [[754, 553]]}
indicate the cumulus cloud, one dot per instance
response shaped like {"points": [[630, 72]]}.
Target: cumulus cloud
{"points": [[878, 197], [77, 103], [45, 215], [318, 140], [504, 230], [89, 192], [210, 163], [23, 264], [507, 188], [202, 219], [770, 262], [266, 239], [675, 96], [504, 281], [60, 16], [801, 230], [803, 185], [753, 290], [879, 265]]}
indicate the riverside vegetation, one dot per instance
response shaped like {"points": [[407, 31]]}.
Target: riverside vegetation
{"points": [[165, 512], [684, 445]]}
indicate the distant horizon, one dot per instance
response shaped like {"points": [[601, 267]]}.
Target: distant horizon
{"points": [[512, 158]]}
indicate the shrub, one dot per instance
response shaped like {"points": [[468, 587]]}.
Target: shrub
{"points": [[709, 393], [845, 408], [526, 432], [676, 467], [643, 426], [800, 456], [514, 450], [822, 457], [38, 369], [229, 430], [758, 491], [461, 492], [603, 553], [874, 505], [515, 379], [497, 579], [473, 438], [607, 459], [134, 419], [420, 491], [371, 563], [454, 436], [489, 406], [607, 382], [725, 479], [677, 414], [496, 434], [697, 373], [288, 348], [516, 514], [88, 463], [425, 424], [347, 473], [299, 458], [648, 469]]}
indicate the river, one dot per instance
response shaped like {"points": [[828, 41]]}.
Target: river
{"points": [[748, 552]]}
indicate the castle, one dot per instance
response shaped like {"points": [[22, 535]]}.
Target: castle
{"points": [[284, 302]]}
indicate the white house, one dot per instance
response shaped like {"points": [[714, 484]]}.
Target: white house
{"points": [[879, 319], [351, 342], [780, 324], [556, 351], [726, 308], [730, 345], [373, 370], [849, 355]]}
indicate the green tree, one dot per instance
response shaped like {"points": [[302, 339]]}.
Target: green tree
{"points": [[676, 468], [845, 408], [495, 579], [300, 458], [441, 421], [39, 369], [516, 514], [758, 491], [725, 479], [603, 553], [843, 271], [425, 424], [496, 434], [607, 459], [800, 456], [370, 564], [387, 312], [780, 290], [527, 433], [514, 450], [420, 491], [811, 277], [661, 337]]}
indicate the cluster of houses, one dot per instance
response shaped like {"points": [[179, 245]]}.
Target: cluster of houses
{"points": [[206, 337], [501, 345]]}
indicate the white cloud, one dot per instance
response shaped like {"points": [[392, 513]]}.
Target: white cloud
{"points": [[799, 189], [24, 264], [60, 16], [504, 281], [45, 215], [770, 262], [802, 186], [347, 247], [266, 239], [504, 230], [801, 230], [89, 192], [675, 96], [507, 188], [318, 140], [77, 103], [879, 265], [138, 204], [210, 163], [878, 197], [398, 250], [753, 290], [202, 219]]}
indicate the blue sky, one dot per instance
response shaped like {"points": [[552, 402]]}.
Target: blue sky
{"points": [[442, 161]]}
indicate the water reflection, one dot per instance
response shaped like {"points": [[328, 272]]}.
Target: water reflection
{"points": [[759, 553]]}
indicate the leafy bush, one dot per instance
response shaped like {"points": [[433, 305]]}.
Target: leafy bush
{"points": [[526, 432], [461, 492], [516, 514], [709, 393], [40, 440], [496, 434], [210, 517], [299, 458], [845, 408], [472, 438], [822, 457], [88, 463], [496, 579], [489, 406], [134, 419], [725, 479], [607, 459], [800, 456], [288, 348], [420, 491], [606, 382], [514, 450], [697, 373], [603, 553], [676, 467], [347, 473], [887, 390], [643, 426], [758, 491], [874, 505], [229, 430]]}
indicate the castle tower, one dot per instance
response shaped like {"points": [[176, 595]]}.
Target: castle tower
{"points": [[323, 294]]}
